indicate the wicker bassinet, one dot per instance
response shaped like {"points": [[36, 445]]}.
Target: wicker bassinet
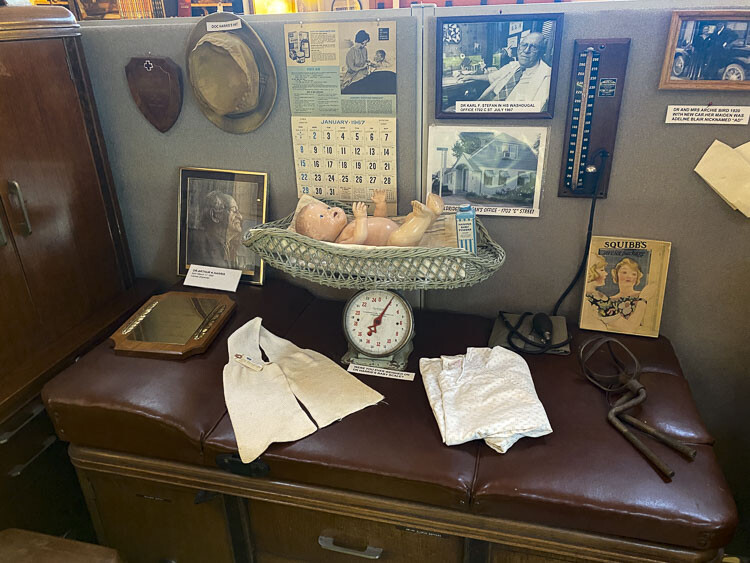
{"points": [[358, 267]]}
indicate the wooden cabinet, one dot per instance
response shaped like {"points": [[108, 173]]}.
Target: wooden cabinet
{"points": [[64, 263], [153, 522], [38, 484], [65, 275]]}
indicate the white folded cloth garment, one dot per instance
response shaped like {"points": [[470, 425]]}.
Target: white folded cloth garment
{"points": [[488, 394], [262, 396]]}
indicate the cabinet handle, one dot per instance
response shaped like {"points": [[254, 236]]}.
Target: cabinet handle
{"points": [[18, 469], [369, 553], [19, 194], [3, 237], [5, 436]]}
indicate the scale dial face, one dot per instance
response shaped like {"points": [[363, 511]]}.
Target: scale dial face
{"points": [[378, 322]]}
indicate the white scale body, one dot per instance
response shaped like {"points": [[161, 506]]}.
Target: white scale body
{"points": [[379, 326]]}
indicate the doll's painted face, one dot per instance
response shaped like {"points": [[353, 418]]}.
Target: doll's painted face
{"points": [[321, 222]]}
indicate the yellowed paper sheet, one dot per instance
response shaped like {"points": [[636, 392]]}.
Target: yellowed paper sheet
{"points": [[744, 151], [727, 171]]}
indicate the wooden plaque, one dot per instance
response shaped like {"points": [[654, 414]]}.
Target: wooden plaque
{"points": [[174, 325], [156, 86]]}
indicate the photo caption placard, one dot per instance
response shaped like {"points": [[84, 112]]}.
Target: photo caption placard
{"points": [[708, 115]]}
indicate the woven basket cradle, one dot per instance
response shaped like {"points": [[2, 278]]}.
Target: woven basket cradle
{"points": [[357, 267]]}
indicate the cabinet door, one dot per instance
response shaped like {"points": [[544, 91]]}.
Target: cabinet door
{"points": [[50, 187], [152, 522], [21, 331]]}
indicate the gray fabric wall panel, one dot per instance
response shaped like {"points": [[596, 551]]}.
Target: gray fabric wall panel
{"points": [[145, 163], [653, 192]]}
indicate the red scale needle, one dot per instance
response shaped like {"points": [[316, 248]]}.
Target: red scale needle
{"points": [[376, 322]]}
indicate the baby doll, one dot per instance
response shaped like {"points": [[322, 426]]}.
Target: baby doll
{"points": [[322, 222]]}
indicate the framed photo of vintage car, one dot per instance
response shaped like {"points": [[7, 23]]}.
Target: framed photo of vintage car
{"points": [[707, 50], [216, 208], [497, 66]]}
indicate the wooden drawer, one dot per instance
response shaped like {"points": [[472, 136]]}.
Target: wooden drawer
{"points": [[282, 533], [152, 522], [23, 439], [38, 486]]}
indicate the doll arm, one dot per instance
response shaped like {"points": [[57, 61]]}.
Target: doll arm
{"points": [[359, 236]]}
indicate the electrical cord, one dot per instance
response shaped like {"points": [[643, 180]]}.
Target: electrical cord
{"points": [[603, 155], [541, 323]]}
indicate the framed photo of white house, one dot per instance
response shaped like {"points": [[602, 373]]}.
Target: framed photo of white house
{"points": [[498, 170], [216, 207], [497, 66], [707, 50]]}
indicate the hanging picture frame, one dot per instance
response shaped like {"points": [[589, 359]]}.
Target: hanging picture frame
{"points": [[497, 170], [216, 207], [707, 50], [497, 66]]}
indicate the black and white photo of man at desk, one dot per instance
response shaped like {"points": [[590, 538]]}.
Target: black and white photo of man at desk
{"points": [[525, 79]]}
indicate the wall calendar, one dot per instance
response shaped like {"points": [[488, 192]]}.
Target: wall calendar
{"points": [[345, 158]]}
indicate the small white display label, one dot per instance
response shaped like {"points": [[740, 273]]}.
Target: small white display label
{"points": [[709, 115], [211, 277], [381, 372], [490, 106], [223, 26]]}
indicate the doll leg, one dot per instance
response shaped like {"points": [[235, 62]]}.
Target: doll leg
{"points": [[416, 223], [378, 199], [435, 203]]}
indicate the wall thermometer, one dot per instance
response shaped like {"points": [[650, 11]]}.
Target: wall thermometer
{"points": [[594, 108]]}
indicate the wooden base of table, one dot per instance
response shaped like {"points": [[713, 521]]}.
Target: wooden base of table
{"points": [[276, 521]]}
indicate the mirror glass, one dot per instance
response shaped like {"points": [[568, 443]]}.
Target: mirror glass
{"points": [[174, 319]]}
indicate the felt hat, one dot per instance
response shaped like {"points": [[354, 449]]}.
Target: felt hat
{"points": [[231, 72]]}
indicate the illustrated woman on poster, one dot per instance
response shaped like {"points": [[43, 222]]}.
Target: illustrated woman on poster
{"points": [[357, 62], [596, 277], [625, 310]]}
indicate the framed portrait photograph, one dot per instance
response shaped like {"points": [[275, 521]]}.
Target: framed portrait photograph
{"points": [[497, 66], [707, 50], [498, 170], [624, 285], [216, 207]]}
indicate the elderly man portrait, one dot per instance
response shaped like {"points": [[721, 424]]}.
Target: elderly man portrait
{"points": [[526, 79], [217, 241]]}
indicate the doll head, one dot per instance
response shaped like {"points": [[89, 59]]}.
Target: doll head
{"points": [[320, 221]]}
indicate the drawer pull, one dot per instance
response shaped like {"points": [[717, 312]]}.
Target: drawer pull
{"points": [[369, 553], [3, 237], [18, 469], [5, 436], [19, 194]]}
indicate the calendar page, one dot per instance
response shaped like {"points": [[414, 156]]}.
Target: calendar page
{"points": [[345, 158]]}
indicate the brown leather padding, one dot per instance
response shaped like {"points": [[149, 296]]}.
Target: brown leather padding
{"points": [[160, 408], [584, 476]]}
